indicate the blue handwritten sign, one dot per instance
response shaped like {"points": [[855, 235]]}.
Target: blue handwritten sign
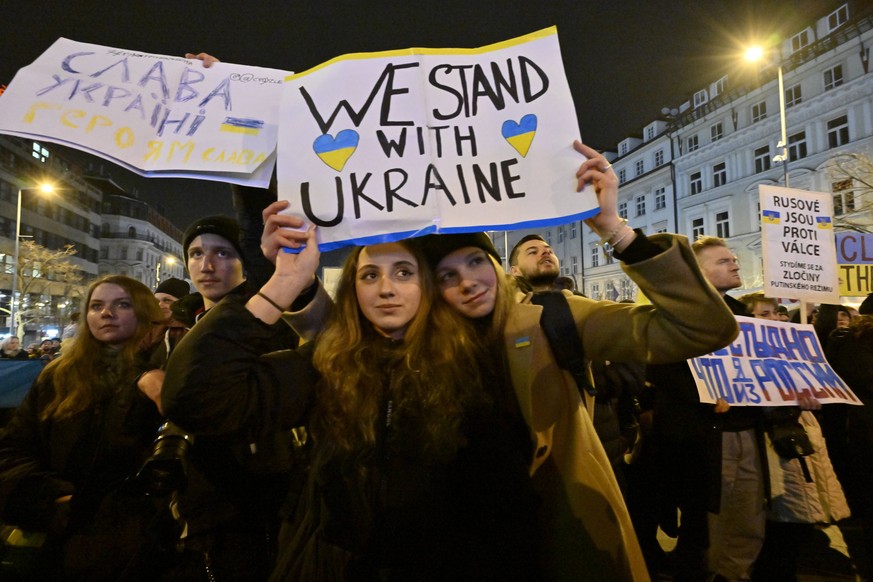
{"points": [[771, 363]]}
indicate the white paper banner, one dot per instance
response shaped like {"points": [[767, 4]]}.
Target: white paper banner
{"points": [[797, 236], [157, 115], [383, 146], [770, 363]]}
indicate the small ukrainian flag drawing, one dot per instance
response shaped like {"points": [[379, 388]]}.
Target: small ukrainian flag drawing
{"points": [[522, 342], [242, 125], [823, 222], [770, 216]]}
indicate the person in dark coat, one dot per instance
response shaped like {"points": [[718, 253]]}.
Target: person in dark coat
{"points": [[69, 453]]}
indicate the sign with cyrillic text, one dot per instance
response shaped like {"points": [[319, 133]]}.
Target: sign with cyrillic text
{"points": [[771, 363], [797, 237], [156, 115], [384, 146]]}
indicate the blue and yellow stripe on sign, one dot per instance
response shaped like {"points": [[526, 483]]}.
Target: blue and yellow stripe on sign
{"points": [[242, 125], [823, 222], [770, 216], [522, 342]]}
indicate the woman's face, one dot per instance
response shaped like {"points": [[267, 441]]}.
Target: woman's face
{"points": [[13, 344], [843, 319], [111, 317], [468, 282], [388, 287]]}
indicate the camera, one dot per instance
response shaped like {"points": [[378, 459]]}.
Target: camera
{"points": [[166, 469]]}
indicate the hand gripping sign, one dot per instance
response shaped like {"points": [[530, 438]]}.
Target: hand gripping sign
{"points": [[384, 146], [156, 115]]}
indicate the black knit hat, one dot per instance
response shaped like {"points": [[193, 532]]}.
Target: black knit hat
{"points": [[175, 287], [225, 227], [436, 246], [866, 307]]}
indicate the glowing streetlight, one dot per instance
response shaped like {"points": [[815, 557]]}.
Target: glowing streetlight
{"points": [[755, 54], [46, 189], [170, 262]]}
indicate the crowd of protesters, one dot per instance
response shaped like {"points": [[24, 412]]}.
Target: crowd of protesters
{"points": [[420, 425]]}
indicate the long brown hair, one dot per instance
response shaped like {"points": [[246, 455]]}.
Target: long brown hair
{"points": [[72, 375], [431, 376]]}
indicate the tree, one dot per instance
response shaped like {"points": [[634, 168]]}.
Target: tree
{"points": [[43, 271], [854, 173]]}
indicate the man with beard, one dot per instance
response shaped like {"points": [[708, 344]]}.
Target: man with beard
{"points": [[533, 261]]}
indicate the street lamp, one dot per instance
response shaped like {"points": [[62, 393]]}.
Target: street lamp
{"points": [[47, 189], [170, 262], [754, 54]]}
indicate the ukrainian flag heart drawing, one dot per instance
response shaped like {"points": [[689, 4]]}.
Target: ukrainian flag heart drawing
{"points": [[520, 135], [336, 151]]}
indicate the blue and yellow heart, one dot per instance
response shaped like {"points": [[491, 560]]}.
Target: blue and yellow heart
{"points": [[520, 135], [336, 151]]}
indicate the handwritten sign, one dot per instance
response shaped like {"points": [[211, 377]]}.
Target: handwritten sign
{"points": [[153, 114], [855, 263], [771, 363], [384, 146], [798, 244]]}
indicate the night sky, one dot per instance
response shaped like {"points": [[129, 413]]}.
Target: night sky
{"points": [[624, 59]]}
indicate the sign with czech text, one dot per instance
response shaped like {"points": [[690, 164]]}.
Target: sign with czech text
{"points": [[156, 115], [797, 238], [384, 146], [771, 363]]}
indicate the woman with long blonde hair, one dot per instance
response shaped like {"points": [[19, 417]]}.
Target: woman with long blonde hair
{"points": [[69, 451]]}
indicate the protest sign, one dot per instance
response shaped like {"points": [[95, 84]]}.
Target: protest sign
{"points": [[798, 244], [156, 115], [383, 146], [855, 263], [771, 363]]}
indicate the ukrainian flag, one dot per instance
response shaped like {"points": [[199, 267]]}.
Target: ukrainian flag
{"points": [[823, 222], [522, 342], [242, 125], [770, 216]]}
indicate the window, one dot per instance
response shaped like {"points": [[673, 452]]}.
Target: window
{"points": [[660, 198], [696, 228], [696, 183], [799, 40], [716, 132], [722, 224], [762, 159], [574, 264], [573, 231], [595, 257], [560, 234], [838, 132], [622, 148], [622, 209], [39, 152], [641, 204], [700, 98], [131, 232], [595, 291], [549, 237], [833, 77], [692, 143], [639, 168], [659, 158], [844, 197], [719, 175], [838, 17], [622, 176], [759, 111], [650, 133], [123, 253], [138, 254], [797, 146], [793, 96], [718, 86]]}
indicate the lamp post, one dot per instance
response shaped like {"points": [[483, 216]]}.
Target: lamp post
{"points": [[47, 188], [170, 262], [754, 54]]}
